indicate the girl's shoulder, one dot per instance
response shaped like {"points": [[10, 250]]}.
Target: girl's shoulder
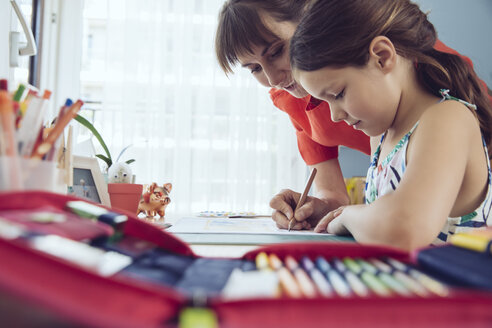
{"points": [[445, 124], [449, 115]]}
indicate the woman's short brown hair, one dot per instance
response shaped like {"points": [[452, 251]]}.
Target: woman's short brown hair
{"points": [[241, 27]]}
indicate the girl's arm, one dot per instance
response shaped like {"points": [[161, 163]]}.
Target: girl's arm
{"points": [[445, 144]]}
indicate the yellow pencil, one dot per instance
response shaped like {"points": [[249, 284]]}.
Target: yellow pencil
{"points": [[473, 241]]}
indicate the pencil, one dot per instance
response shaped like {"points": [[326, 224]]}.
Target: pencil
{"points": [[262, 261], [8, 144], [303, 196], [343, 281], [287, 281], [305, 283], [69, 158], [387, 279], [7, 120], [475, 242], [322, 284], [373, 282], [60, 125], [430, 283], [404, 278]]}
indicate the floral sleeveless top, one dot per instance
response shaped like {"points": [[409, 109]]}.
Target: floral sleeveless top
{"points": [[385, 177]]}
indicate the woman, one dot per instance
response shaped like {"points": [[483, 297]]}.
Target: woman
{"points": [[256, 34]]}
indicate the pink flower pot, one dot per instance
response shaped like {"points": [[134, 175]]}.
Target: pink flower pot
{"points": [[125, 196]]}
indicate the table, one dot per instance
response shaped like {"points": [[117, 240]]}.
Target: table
{"points": [[237, 244]]}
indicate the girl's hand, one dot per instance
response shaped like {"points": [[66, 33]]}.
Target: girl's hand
{"points": [[332, 222], [307, 216]]}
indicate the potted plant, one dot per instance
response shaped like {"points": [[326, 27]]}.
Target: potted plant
{"points": [[123, 194]]}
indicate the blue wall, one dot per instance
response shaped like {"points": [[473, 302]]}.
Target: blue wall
{"points": [[465, 26]]}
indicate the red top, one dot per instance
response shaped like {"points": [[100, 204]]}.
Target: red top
{"points": [[318, 137]]}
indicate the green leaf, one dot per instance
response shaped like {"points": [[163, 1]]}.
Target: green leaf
{"points": [[108, 161], [130, 161], [96, 134]]}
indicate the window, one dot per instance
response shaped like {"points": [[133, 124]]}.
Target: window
{"points": [[149, 79], [25, 72]]}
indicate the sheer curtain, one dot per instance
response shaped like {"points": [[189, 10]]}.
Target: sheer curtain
{"points": [[218, 140]]}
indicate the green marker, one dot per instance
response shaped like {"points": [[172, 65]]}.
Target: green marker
{"points": [[386, 278], [197, 318], [18, 94], [368, 278], [409, 282], [431, 284], [96, 213]]}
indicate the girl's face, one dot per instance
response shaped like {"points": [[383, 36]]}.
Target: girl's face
{"points": [[365, 98], [270, 64]]}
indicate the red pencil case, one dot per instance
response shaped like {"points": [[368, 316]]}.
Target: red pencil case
{"points": [[38, 288]]}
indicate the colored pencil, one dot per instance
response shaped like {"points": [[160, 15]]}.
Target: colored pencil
{"points": [[304, 194]]}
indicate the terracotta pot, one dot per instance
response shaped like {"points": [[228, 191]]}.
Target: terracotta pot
{"points": [[125, 196]]}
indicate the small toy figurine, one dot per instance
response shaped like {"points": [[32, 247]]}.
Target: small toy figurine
{"points": [[155, 199], [120, 173]]}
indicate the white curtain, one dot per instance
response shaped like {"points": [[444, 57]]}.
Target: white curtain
{"points": [[218, 140]]}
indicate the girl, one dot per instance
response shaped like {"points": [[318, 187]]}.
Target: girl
{"points": [[374, 62], [256, 34]]}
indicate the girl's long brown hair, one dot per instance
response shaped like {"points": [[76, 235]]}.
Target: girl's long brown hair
{"points": [[338, 33]]}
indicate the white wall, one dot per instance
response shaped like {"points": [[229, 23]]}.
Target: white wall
{"points": [[465, 26], [5, 14]]}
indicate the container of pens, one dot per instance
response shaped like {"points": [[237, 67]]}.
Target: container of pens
{"points": [[28, 174], [33, 155]]}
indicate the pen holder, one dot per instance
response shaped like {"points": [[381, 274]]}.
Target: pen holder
{"points": [[27, 174]]}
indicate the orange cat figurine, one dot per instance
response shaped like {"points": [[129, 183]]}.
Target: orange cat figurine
{"points": [[155, 199]]}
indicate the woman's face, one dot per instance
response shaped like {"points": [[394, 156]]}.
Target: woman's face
{"points": [[270, 64]]}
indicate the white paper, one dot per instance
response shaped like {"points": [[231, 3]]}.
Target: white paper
{"points": [[233, 225]]}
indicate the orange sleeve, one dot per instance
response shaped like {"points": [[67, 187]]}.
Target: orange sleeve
{"points": [[312, 152]]}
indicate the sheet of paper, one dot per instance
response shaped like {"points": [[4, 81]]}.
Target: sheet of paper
{"points": [[232, 225]]}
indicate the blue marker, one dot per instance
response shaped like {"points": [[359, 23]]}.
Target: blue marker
{"points": [[353, 280], [337, 281], [320, 281]]}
